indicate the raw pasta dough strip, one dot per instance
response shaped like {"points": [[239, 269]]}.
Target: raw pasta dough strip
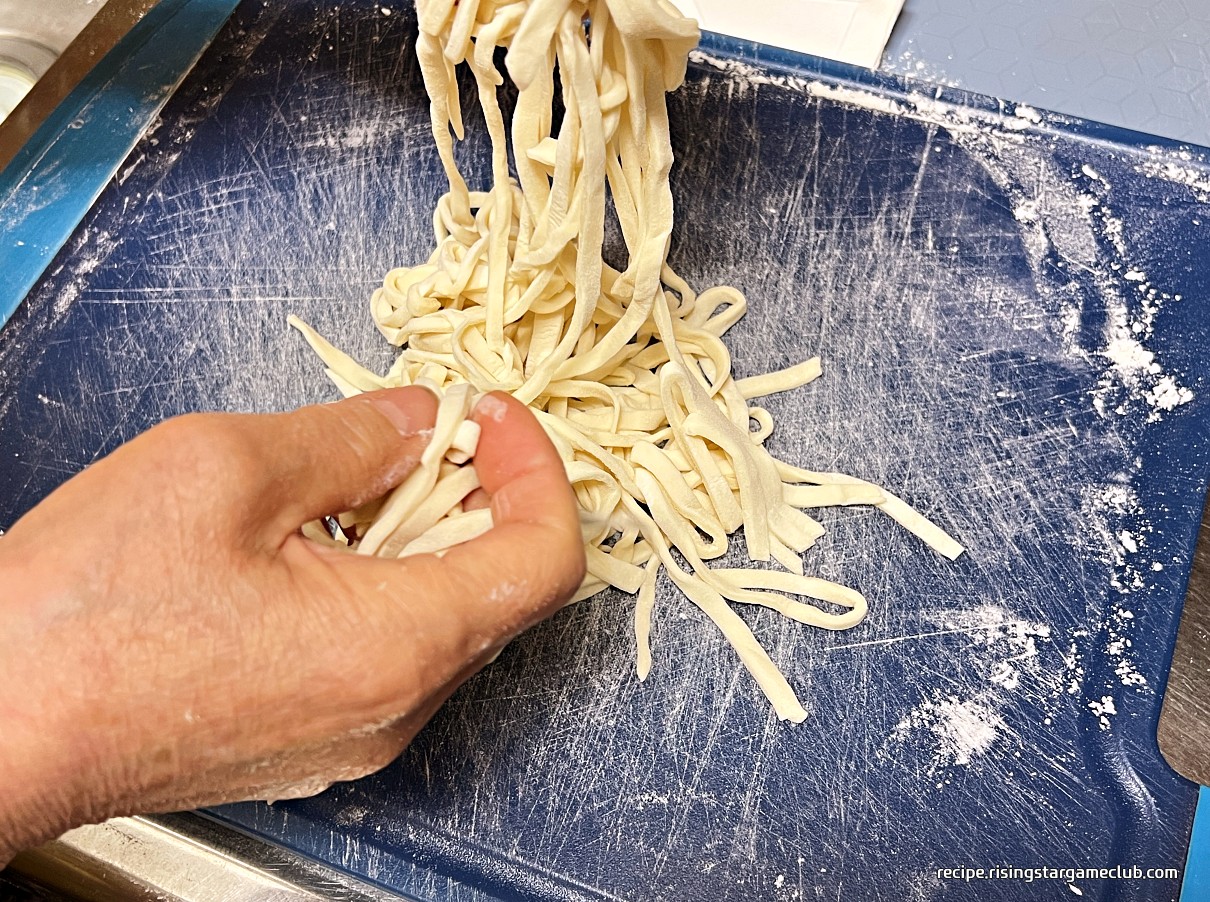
{"points": [[625, 368], [449, 532], [892, 505]]}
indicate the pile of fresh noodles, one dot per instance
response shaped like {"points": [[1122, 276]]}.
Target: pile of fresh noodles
{"points": [[626, 370]]}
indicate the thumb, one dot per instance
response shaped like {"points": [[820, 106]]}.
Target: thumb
{"points": [[331, 457], [521, 570]]}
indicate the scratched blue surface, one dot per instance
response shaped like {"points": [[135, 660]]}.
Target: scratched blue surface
{"points": [[966, 338]]}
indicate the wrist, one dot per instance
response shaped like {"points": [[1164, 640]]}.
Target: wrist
{"points": [[35, 767]]}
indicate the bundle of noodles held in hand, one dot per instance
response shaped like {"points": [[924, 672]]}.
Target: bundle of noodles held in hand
{"points": [[626, 370]]}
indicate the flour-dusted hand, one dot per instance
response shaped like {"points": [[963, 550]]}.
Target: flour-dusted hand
{"points": [[169, 639]]}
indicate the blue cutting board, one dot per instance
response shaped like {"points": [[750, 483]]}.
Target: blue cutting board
{"points": [[1011, 311]]}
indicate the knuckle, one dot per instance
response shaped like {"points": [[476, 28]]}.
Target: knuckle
{"points": [[360, 429], [208, 449], [360, 445]]}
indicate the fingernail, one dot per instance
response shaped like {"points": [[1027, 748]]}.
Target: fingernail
{"points": [[491, 407], [396, 409]]}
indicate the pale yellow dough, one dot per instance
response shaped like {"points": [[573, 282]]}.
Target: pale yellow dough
{"points": [[625, 369]]}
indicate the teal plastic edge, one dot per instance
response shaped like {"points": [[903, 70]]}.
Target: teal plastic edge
{"points": [[1196, 887], [56, 177]]}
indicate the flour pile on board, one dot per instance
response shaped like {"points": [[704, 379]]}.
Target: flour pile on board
{"points": [[1104, 509], [962, 729], [1012, 641], [1173, 166], [965, 722]]}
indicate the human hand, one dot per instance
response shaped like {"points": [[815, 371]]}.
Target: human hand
{"points": [[169, 640]]}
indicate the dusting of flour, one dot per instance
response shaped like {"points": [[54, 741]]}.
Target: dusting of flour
{"points": [[1107, 313], [1068, 213]]}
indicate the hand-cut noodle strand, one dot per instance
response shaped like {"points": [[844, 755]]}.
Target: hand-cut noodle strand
{"points": [[625, 369], [644, 607]]}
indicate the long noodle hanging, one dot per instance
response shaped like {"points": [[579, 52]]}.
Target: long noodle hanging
{"points": [[626, 370]]}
